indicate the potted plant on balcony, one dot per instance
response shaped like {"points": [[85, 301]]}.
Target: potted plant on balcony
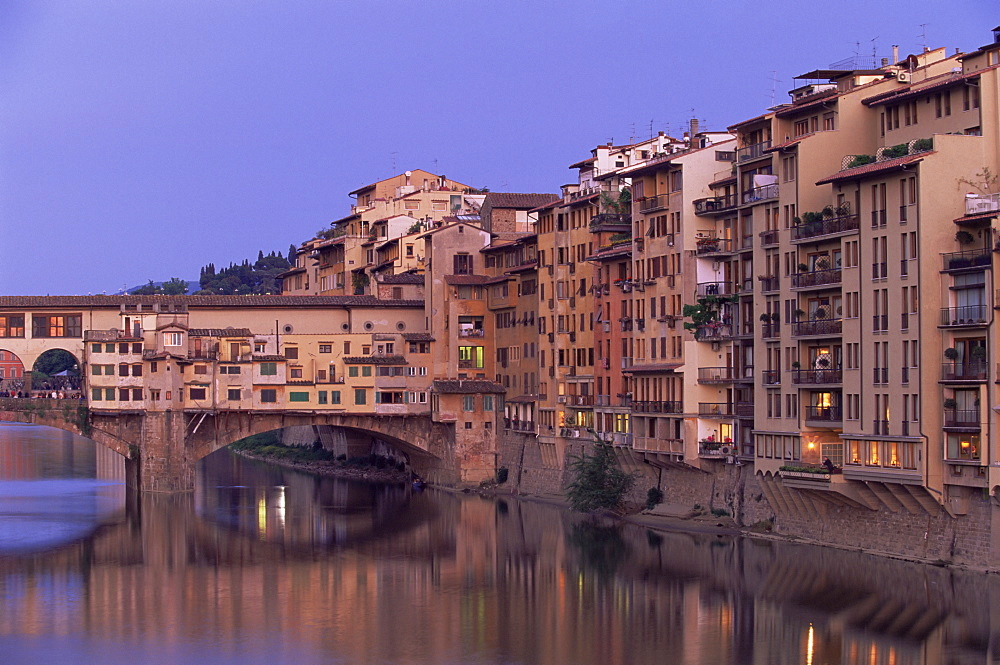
{"points": [[951, 353], [796, 364], [964, 237], [950, 404], [820, 313], [823, 363], [799, 313]]}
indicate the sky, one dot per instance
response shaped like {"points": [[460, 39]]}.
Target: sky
{"points": [[142, 140]]}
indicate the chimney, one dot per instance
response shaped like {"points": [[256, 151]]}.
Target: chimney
{"points": [[895, 53], [694, 128]]}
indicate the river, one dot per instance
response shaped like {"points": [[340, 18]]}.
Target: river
{"points": [[266, 565]]}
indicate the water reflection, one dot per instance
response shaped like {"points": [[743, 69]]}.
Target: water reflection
{"points": [[263, 564]]}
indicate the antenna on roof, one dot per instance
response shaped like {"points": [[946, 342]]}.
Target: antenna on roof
{"points": [[393, 162], [774, 85], [923, 36]]}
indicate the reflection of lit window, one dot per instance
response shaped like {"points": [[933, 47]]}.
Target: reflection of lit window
{"points": [[892, 452]]}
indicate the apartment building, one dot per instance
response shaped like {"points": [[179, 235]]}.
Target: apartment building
{"points": [[876, 278], [380, 236]]}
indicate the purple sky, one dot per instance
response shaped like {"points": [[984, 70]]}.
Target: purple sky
{"points": [[142, 140]]}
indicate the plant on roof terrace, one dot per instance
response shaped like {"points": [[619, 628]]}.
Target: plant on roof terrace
{"points": [[964, 237], [618, 205], [922, 145], [860, 160], [706, 311], [892, 152]]}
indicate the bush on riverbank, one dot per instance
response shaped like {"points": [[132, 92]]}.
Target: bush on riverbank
{"points": [[268, 445]]}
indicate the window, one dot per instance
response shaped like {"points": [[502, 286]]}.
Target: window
{"points": [[326, 348], [366, 370], [136, 370], [233, 394], [463, 264], [197, 393], [269, 369], [201, 369], [12, 325], [230, 369], [269, 395], [292, 352], [352, 371], [470, 357], [97, 394], [468, 403], [298, 396], [94, 348], [334, 397], [487, 403], [360, 396], [50, 325], [123, 370], [172, 339], [321, 397], [296, 372]]}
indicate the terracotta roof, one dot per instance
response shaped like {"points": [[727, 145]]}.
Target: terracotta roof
{"points": [[814, 100], [375, 360], [466, 386], [270, 358], [611, 253], [403, 278], [922, 87], [518, 201], [464, 280], [788, 144], [220, 332], [204, 301], [977, 217], [749, 121], [418, 337], [722, 181], [499, 279], [876, 167], [583, 162], [523, 399]]}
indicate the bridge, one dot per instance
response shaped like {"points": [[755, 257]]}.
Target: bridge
{"points": [[165, 381]]}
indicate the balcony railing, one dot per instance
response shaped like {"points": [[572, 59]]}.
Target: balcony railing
{"points": [[714, 246], [804, 280], [715, 204], [753, 151], [762, 193], [817, 327], [580, 400], [657, 445], [880, 427], [715, 289], [657, 407], [771, 377], [817, 376], [769, 237], [651, 203], [471, 332], [964, 260], [769, 283], [965, 418], [610, 221], [825, 227], [770, 330], [966, 315], [880, 375], [878, 219], [716, 409], [824, 414], [973, 371], [976, 204], [715, 332], [717, 374]]}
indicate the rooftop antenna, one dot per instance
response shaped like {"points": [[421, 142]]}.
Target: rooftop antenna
{"points": [[923, 36], [631, 138], [435, 166], [650, 129], [393, 162], [774, 85]]}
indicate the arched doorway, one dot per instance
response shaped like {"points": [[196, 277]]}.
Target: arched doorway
{"points": [[56, 371]]}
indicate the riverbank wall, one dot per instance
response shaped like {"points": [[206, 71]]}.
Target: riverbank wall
{"points": [[915, 532]]}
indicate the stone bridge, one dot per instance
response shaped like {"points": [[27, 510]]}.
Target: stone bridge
{"points": [[162, 448]]}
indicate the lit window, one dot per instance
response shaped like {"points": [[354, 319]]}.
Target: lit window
{"points": [[172, 339]]}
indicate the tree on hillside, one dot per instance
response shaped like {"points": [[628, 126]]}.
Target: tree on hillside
{"points": [[175, 287]]}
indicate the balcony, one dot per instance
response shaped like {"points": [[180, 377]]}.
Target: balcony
{"points": [[580, 400], [714, 332], [714, 204], [762, 193], [771, 377], [653, 203], [717, 374], [657, 407], [770, 330], [816, 278], [753, 151], [715, 289], [715, 449], [612, 222], [769, 237], [823, 416], [961, 372], [825, 228], [471, 332], [651, 444], [708, 246], [519, 425], [966, 315], [817, 328], [970, 259], [769, 283], [815, 377], [977, 204], [716, 409], [964, 419]]}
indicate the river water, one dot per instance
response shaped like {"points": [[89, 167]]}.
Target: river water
{"points": [[266, 565]]}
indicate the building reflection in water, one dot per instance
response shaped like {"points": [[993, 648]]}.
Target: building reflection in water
{"points": [[264, 562]]}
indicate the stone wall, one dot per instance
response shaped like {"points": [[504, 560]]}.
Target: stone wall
{"points": [[971, 540]]}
